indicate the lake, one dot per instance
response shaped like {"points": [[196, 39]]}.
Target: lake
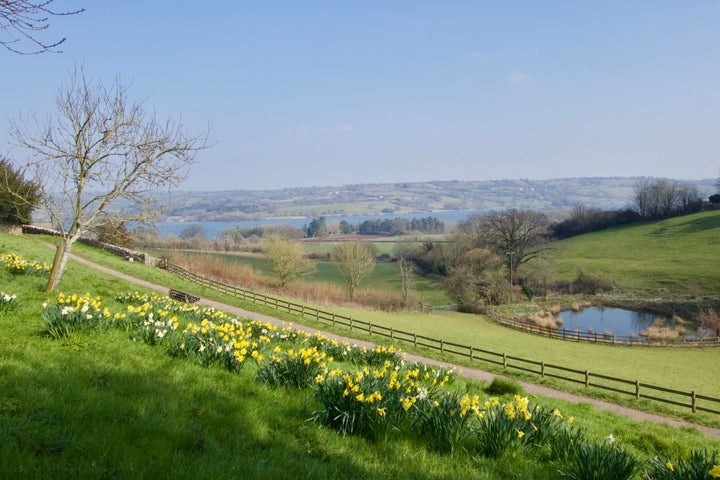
{"points": [[213, 229], [618, 321]]}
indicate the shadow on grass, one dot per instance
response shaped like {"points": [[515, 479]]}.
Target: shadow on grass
{"points": [[99, 413]]}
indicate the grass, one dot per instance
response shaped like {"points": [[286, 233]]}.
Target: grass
{"points": [[676, 255], [103, 406], [676, 368], [681, 369], [383, 277]]}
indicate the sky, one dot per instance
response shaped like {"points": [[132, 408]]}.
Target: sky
{"points": [[321, 93]]}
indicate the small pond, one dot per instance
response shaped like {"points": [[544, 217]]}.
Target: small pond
{"points": [[619, 322]]}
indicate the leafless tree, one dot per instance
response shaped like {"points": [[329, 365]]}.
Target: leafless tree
{"points": [[354, 260], [23, 21], [660, 198], [406, 269], [287, 258], [518, 236], [97, 151]]}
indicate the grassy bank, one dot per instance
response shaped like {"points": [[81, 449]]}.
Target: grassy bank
{"points": [[673, 256], [99, 405]]}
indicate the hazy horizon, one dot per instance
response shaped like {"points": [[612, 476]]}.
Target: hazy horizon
{"points": [[306, 94]]}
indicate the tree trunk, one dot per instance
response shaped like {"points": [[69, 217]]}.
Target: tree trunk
{"points": [[62, 253]]}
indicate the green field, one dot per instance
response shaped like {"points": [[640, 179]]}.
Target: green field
{"points": [[384, 276], [100, 405], [677, 255]]}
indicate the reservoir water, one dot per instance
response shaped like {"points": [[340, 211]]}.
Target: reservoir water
{"points": [[213, 229], [617, 321]]}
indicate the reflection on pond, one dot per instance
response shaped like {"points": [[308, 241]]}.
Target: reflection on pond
{"points": [[625, 323]]}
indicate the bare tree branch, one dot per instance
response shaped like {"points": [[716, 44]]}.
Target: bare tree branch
{"points": [[101, 151], [23, 20]]}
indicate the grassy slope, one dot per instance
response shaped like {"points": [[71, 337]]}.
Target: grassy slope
{"points": [[102, 406], [679, 255]]}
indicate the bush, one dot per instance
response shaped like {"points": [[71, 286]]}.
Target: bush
{"points": [[588, 284], [502, 386]]}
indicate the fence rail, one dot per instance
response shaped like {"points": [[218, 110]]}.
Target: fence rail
{"points": [[596, 337], [692, 400]]}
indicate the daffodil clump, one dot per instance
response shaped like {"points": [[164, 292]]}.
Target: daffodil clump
{"points": [[17, 265], [370, 392], [514, 424], [294, 367], [699, 464], [226, 341], [7, 301], [71, 313], [372, 402]]}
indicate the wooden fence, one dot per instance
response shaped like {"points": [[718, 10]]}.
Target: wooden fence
{"points": [[595, 337], [692, 400]]}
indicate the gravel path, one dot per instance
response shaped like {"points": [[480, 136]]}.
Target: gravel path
{"points": [[471, 373]]}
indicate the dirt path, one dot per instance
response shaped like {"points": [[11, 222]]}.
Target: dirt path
{"points": [[471, 373]]}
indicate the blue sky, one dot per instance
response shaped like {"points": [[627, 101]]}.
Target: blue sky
{"points": [[332, 93]]}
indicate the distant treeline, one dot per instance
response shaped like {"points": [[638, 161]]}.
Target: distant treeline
{"points": [[401, 226], [652, 199], [319, 227]]}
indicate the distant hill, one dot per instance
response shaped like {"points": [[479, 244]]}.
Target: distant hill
{"points": [[417, 197]]}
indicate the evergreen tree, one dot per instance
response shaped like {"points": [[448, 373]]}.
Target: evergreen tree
{"points": [[18, 196]]}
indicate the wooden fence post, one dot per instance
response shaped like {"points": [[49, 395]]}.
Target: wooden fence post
{"points": [[587, 379], [442, 346], [370, 328], [471, 352], [504, 360], [542, 369], [415, 339], [333, 320], [637, 389], [693, 401], [392, 333]]}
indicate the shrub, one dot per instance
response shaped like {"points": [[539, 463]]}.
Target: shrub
{"points": [[502, 386], [710, 321], [586, 283]]}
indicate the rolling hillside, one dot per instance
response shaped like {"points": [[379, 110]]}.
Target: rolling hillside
{"points": [[679, 255]]}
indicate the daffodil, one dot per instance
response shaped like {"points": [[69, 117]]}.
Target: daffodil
{"points": [[715, 471]]}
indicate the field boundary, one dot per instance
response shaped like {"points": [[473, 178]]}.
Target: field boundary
{"points": [[692, 400], [595, 337]]}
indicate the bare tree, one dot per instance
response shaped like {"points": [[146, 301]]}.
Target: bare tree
{"points": [[518, 236], [23, 21], [287, 258], [406, 269], [660, 198], [97, 151], [354, 261]]}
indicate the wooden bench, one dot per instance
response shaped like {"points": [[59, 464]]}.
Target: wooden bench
{"points": [[182, 296]]}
